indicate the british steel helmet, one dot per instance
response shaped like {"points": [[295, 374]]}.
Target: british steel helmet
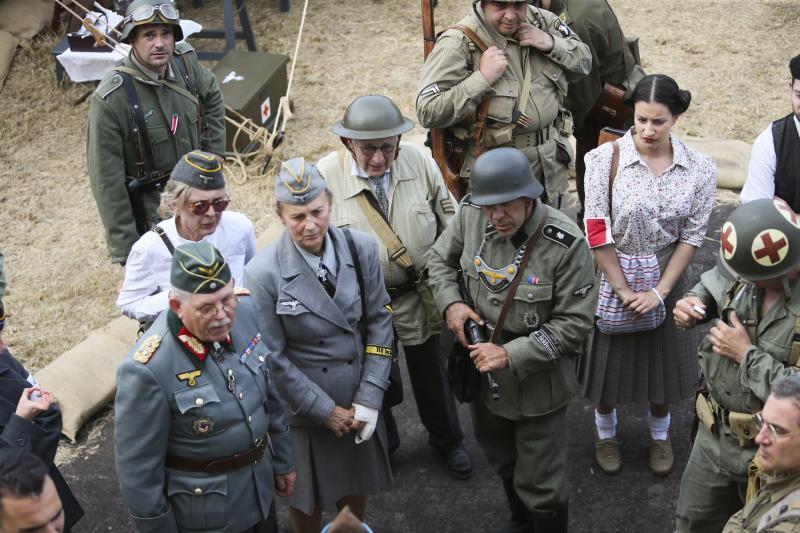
{"points": [[372, 117], [141, 12], [760, 240], [502, 175]]}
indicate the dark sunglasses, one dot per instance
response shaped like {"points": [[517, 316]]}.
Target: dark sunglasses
{"points": [[201, 208]]}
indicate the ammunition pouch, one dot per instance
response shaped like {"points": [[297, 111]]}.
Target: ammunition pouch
{"points": [[741, 424], [564, 123]]}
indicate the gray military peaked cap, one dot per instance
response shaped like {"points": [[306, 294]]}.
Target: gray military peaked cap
{"points": [[298, 182], [198, 169]]}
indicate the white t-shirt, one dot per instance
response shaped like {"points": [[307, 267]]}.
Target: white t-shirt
{"points": [[760, 181], [146, 287]]}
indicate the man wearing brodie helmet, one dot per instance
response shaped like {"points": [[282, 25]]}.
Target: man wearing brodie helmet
{"points": [[754, 293], [154, 106]]}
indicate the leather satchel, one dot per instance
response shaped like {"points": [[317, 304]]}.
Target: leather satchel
{"points": [[394, 393]]}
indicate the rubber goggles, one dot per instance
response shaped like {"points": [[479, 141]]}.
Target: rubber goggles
{"points": [[145, 14], [201, 208]]}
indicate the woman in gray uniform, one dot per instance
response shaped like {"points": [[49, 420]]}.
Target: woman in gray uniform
{"points": [[331, 360]]}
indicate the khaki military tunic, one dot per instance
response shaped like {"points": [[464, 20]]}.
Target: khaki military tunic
{"points": [[452, 88], [420, 207], [110, 149], [774, 508], [717, 467]]}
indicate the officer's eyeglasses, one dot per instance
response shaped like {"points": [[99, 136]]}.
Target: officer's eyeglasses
{"points": [[166, 12], [210, 310], [369, 150], [775, 432], [201, 208]]}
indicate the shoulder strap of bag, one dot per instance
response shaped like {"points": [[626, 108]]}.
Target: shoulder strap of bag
{"points": [[613, 173], [360, 277], [512, 290], [158, 230], [398, 253], [145, 165]]}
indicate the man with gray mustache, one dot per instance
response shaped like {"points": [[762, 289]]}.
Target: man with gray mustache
{"points": [[201, 441]]}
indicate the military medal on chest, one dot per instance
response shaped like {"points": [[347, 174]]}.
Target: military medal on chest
{"points": [[497, 279]]}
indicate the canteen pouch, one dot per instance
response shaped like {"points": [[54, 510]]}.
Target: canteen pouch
{"points": [[704, 412], [743, 425]]}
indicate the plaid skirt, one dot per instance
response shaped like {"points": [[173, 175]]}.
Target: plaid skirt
{"points": [[657, 366]]}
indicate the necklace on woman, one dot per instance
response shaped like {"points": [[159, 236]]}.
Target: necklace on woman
{"points": [[497, 279]]}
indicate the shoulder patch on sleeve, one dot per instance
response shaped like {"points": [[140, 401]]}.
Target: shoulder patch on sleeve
{"points": [[146, 349], [430, 90], [562, 28], [110, 85], [447, 206], [241, 291], [558, 235]]}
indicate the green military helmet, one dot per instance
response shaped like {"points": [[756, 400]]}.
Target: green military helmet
{"points": [[372, 117], [502, 175], [760, 240], [141, 12]]}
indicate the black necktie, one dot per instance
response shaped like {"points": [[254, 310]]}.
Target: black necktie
{"points": [[324, 277]]}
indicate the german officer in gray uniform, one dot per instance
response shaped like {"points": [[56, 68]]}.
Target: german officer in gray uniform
{"points": [[523, 433], [331, 351], [200, 439]]}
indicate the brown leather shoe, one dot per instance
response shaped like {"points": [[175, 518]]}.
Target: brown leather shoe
{"points": [[606, 453], [661, 459]]}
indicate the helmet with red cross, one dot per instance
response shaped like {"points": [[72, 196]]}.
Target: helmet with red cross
{"points": [[760, 240]]}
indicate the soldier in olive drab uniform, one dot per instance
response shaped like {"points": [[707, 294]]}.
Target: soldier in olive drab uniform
{"points": [[405, 181], [200, 440], [775, 507], [523, 433], [521, 40], [179, 108], [612, 62], [753, 290]]}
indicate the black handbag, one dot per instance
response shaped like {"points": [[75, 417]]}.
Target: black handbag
{"points": [[394, 394]]}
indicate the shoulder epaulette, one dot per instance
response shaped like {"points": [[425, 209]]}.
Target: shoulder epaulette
{"points": [[109, 86], [241, 291], [558, 235], [183, 47], [146, 349]]}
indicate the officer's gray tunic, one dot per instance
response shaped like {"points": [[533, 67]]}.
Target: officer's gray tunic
{"points": [[159, 413], [319, 360]]}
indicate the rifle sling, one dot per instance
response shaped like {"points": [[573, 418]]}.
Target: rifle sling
{"points": [[139, 126], [483, 109], [512, 290]]}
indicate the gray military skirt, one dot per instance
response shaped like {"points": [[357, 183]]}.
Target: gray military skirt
{"points": [[657, 366], [330, 467]]}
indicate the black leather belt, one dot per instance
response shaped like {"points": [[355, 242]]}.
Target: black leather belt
{"points": [[400, 290], [218, 466]]}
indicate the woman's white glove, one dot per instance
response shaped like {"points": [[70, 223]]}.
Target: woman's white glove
{"points": [[368, 415]]}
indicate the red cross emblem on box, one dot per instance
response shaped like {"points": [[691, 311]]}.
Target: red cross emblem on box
{"points": [[770, 247], [727, 240], [266, 111]]}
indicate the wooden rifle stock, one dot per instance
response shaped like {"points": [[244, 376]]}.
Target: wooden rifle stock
{"points": [[437, 138]]}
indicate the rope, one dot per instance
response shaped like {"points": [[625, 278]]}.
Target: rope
{"points": [[269, 144]]}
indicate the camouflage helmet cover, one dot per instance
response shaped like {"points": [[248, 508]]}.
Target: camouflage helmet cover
{"points": [[760, 240]]}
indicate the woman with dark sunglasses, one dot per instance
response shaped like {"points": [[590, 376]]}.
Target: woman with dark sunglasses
{"points": [[195, 201]]}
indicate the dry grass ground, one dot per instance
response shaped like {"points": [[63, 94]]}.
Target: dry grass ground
{"points": [[731, 54]]}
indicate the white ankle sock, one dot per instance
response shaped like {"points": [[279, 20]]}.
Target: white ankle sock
{"points": [[606, 424], [659, 426]]}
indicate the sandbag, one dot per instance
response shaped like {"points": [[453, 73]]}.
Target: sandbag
{"points": [[731, 156], [84, 378], [24, 18], [8, 47]]}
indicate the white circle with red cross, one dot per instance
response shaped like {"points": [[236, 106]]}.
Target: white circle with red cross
{"points": [[786, 212], [770, 247], [727, 241]]}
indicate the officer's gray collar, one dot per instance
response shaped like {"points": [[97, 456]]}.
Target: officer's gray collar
{"points": [[328, 255]]}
